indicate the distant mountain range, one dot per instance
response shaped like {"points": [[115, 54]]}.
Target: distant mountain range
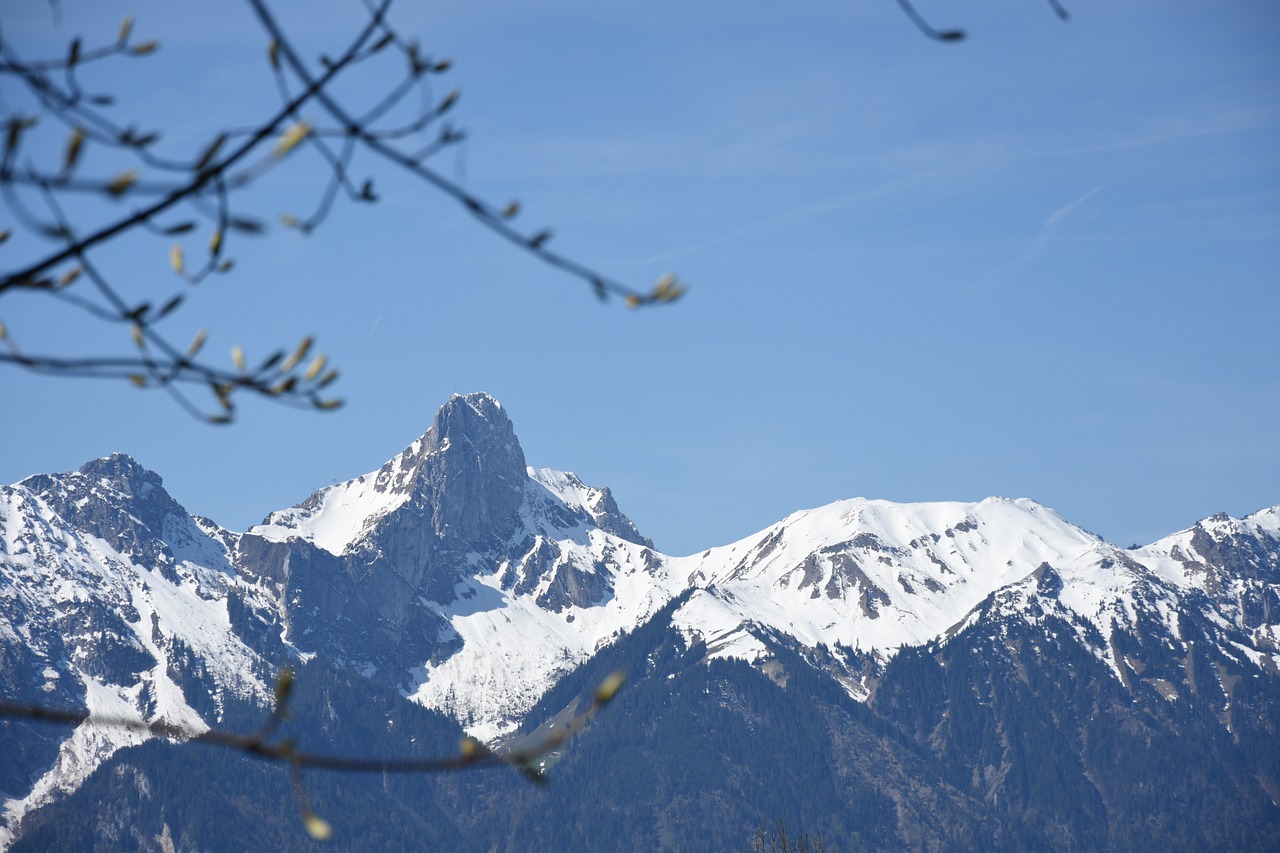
{"points": [[894, 676]]}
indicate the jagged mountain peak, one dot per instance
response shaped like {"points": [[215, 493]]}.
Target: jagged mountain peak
{"points": [[475, 482], [1265, 521], [119, 472], [484, 405], [470, 433], [476, 423], [121, 468], [468, 468], [126, 505], [454, 522], [1247, 548], [597, 503], [464, 482]]}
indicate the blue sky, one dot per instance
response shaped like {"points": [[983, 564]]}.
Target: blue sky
{"points": [[1044, 262]]}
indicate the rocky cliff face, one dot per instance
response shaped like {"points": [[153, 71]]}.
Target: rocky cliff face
{"points": [[366, 572], [463, 500], [1235, 564]]}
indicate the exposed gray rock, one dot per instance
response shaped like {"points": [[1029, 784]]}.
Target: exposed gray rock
{"points": [[126, 505], [573, 587], [467, 506]]}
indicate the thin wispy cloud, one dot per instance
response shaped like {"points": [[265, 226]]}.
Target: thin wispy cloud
{"points": [[1246, 116], [1062, 220], [788, 218]]}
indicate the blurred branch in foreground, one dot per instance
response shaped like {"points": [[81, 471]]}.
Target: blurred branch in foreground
{"points": [[171, 199], [200, 191], [264, 744]]}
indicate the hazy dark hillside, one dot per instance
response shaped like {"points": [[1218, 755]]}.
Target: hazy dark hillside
{"points": [[1011, 736], [207, 798]]}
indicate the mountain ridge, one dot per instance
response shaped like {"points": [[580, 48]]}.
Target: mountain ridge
{"points": [[471, 582]]}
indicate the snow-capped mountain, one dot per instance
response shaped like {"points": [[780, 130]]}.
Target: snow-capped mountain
{"points": [[471, 583], [457, 573], [1236, 564], [115, 600], [870, 577]]}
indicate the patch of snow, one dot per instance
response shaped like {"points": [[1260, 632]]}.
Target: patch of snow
{"points": [[513, 649], [344, 513], [78, 756]]}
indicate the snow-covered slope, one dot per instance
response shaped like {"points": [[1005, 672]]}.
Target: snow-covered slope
{"points": [[876, 575], [597, 503], [528, 617], [1235, 564], [111, 599], [337, 515], [868, 578]]}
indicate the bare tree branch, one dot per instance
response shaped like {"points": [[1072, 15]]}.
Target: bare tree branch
{"points": [[263, 744], [206, 185]]}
